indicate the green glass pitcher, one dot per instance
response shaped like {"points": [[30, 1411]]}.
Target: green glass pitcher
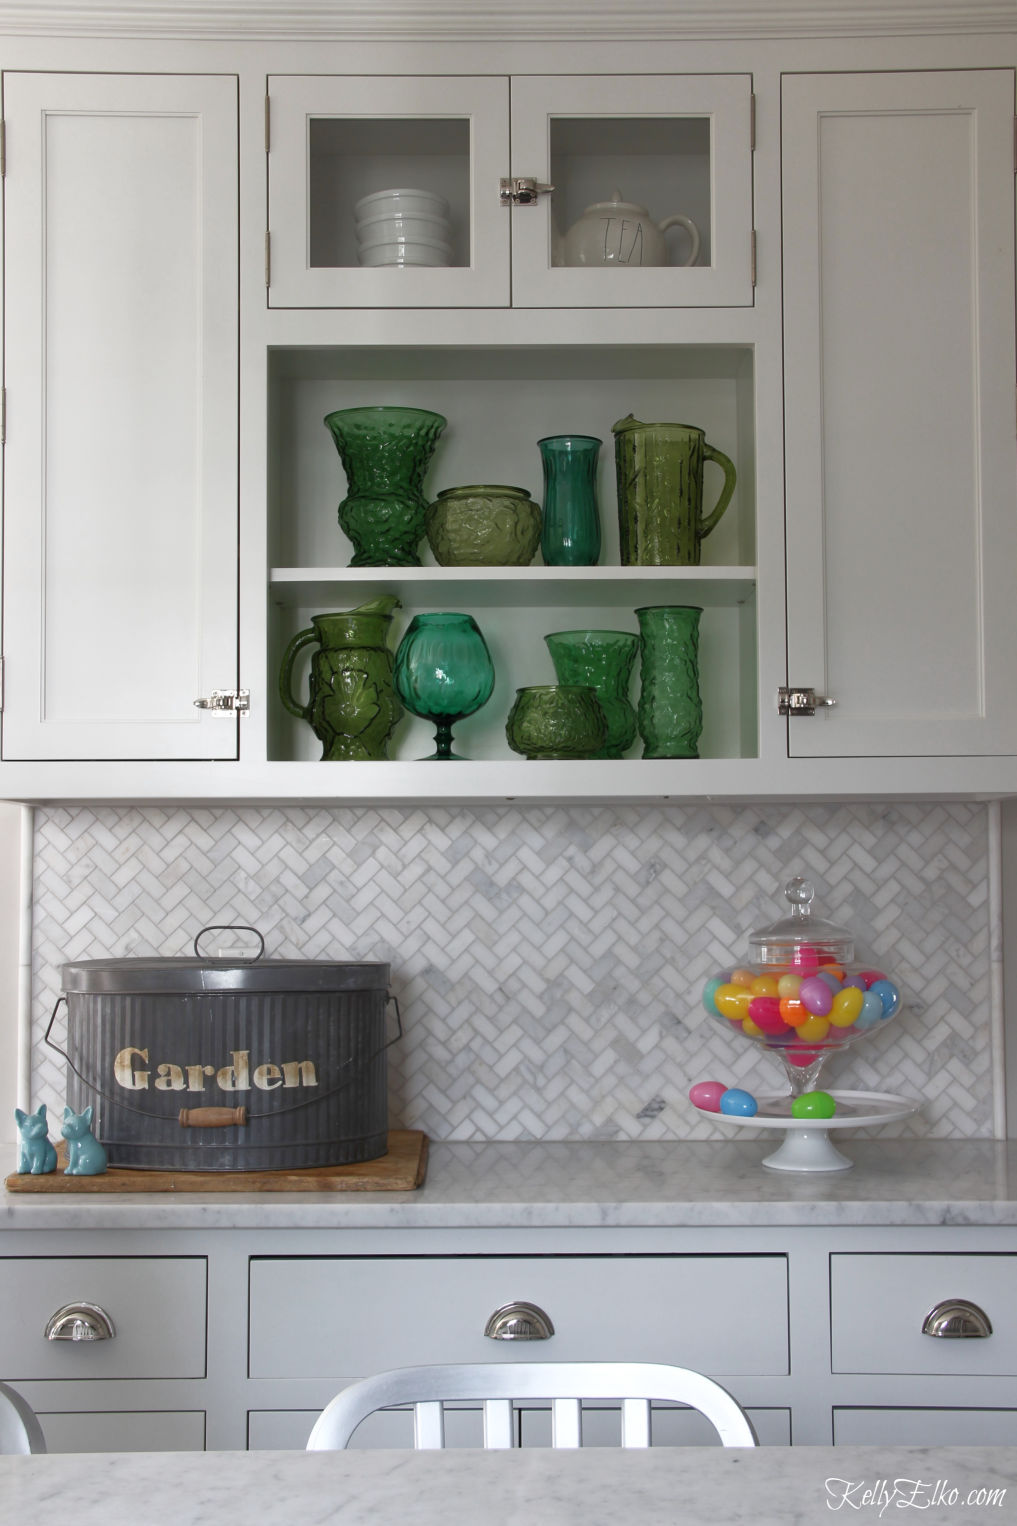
{"points": [[660, 492], [352, 706]]}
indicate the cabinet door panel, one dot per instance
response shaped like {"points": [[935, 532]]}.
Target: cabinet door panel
{"points": [[125, 1431], [335, 141], [120, 487], [898, 228], [676, 144], [924, 1427]]}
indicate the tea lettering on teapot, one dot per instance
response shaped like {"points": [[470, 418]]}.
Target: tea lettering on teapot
{"points": [[618, 232], [236, 1076]]}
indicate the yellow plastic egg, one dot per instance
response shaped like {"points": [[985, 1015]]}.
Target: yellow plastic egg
{"points": [[732, 1000], [749, 1028], [847, 1004], [764, 985], [813, 1030], [788, 985]]}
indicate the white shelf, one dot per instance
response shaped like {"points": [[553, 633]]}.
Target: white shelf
{"points": [[486, 587]]}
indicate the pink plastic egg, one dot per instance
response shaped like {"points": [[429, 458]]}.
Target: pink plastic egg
{"points": [[706, 1095]]}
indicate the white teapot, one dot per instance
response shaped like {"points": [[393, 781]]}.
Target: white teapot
{"points": [[619, 232]]}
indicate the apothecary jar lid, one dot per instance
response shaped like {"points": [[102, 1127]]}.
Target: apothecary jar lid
{"points": [[779, 943]]}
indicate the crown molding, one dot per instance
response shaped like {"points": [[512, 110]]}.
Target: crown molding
{"points": [[484, 20]]}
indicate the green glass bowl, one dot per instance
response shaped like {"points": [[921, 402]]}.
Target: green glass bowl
{"points": [[556, 721], [483, 525]]}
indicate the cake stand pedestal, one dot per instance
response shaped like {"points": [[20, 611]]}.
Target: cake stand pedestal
{"points": [[807, 1145]]}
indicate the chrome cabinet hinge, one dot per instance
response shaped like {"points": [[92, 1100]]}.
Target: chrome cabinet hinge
{"points": [[800, 701], [226, 701], [521, 190]]}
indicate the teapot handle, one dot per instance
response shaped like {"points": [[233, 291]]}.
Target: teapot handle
{"points": [[727, 467], [302, 712], [690, 228]]}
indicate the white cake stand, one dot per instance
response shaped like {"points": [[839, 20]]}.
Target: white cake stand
{"points": [[807, 1145]]}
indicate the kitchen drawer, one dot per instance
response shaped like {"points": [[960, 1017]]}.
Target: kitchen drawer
{"points": [[879, 1304], [156, 1304], [125, 1431], [925, 1427], [344, 1317]]}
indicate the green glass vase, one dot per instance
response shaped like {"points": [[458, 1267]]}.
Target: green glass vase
{"points": [[385, 453], [603, 660], [670, 711], [351, 706], [443, 673]]}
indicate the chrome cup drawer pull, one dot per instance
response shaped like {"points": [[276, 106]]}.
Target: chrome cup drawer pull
{"points": [[957, 1319], [519, 1322], [80, 1322]]}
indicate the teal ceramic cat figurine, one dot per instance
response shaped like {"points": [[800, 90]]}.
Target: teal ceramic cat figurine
{"points": [[85, 1155], [37, 1155]]}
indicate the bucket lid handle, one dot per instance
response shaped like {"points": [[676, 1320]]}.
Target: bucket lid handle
{"points": [[232, 927]]}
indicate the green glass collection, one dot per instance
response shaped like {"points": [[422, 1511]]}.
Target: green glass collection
{"points": [[670, 711], [570, 536], [659, 469], [483, 525], [556, 721], [443, 673], [352, 706], [604, 660], [385, 453]]}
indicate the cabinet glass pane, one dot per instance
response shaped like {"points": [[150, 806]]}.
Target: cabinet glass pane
{"points": [[660, 164], [350, 159]]}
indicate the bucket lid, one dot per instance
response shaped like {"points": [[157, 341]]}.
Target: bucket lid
{"points": [[173, 977]]}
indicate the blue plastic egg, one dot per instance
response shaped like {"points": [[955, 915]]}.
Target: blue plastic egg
{"points": [[743, 1104]]}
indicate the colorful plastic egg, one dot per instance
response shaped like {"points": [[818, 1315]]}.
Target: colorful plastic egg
{"points": [[813, 1105], [741, 1103], [706, 1095], [732, 1001], [847, 1004], [709, 991], [888, 995], [815, 995]]}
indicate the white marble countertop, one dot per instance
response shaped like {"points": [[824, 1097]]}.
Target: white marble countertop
{"points": [[603, 1184], [768, 1486]]}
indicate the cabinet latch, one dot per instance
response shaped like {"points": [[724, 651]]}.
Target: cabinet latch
{"points": [[521, 190], [226, 701], [800, 701]]}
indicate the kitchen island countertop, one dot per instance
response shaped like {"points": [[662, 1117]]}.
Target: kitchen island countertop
{"points": [[598, 1184]]}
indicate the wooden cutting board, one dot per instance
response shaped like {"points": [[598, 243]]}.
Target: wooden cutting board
{"points": [[402, 1169]]}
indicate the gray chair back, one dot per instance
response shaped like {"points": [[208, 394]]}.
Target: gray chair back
{"points": [[20, 1431]]}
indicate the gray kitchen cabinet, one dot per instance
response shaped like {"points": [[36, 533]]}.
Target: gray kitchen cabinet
{"points": [[816, 1329], [121, 388]]}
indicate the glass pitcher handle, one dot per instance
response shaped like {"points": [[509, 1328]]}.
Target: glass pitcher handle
{"points": [[730, 478], [302, 712], [678, 221]]}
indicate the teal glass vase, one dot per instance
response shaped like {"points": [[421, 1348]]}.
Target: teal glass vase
{"points": [[570, 534], [385, 453], [603, 660], [443, 673], [670, 711]]}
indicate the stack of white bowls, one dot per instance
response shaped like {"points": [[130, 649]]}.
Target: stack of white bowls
{"points": [[403, 227]]}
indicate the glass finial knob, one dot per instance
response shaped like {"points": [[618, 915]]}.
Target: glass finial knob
{"points": [[800, 893]]}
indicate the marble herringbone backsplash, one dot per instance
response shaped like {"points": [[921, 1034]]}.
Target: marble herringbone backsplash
{"points": [[548, 960]]}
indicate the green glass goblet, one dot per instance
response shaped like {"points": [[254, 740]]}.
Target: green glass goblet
{"points": [[443, 673]]}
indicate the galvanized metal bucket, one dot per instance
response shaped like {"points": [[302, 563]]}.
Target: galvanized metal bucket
{"points": [[197, 1064]]}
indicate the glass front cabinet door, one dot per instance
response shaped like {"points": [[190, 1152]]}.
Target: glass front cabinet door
{"points": [[583, 191]]}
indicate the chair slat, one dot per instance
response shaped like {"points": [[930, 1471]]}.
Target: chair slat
{"points": [[498, 1423], [429, 1426], [635, 1423], [566, 1423]]}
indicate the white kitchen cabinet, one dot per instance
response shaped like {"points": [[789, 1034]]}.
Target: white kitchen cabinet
{"points": [[674, 143], [120, 455], [901, 463]]}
